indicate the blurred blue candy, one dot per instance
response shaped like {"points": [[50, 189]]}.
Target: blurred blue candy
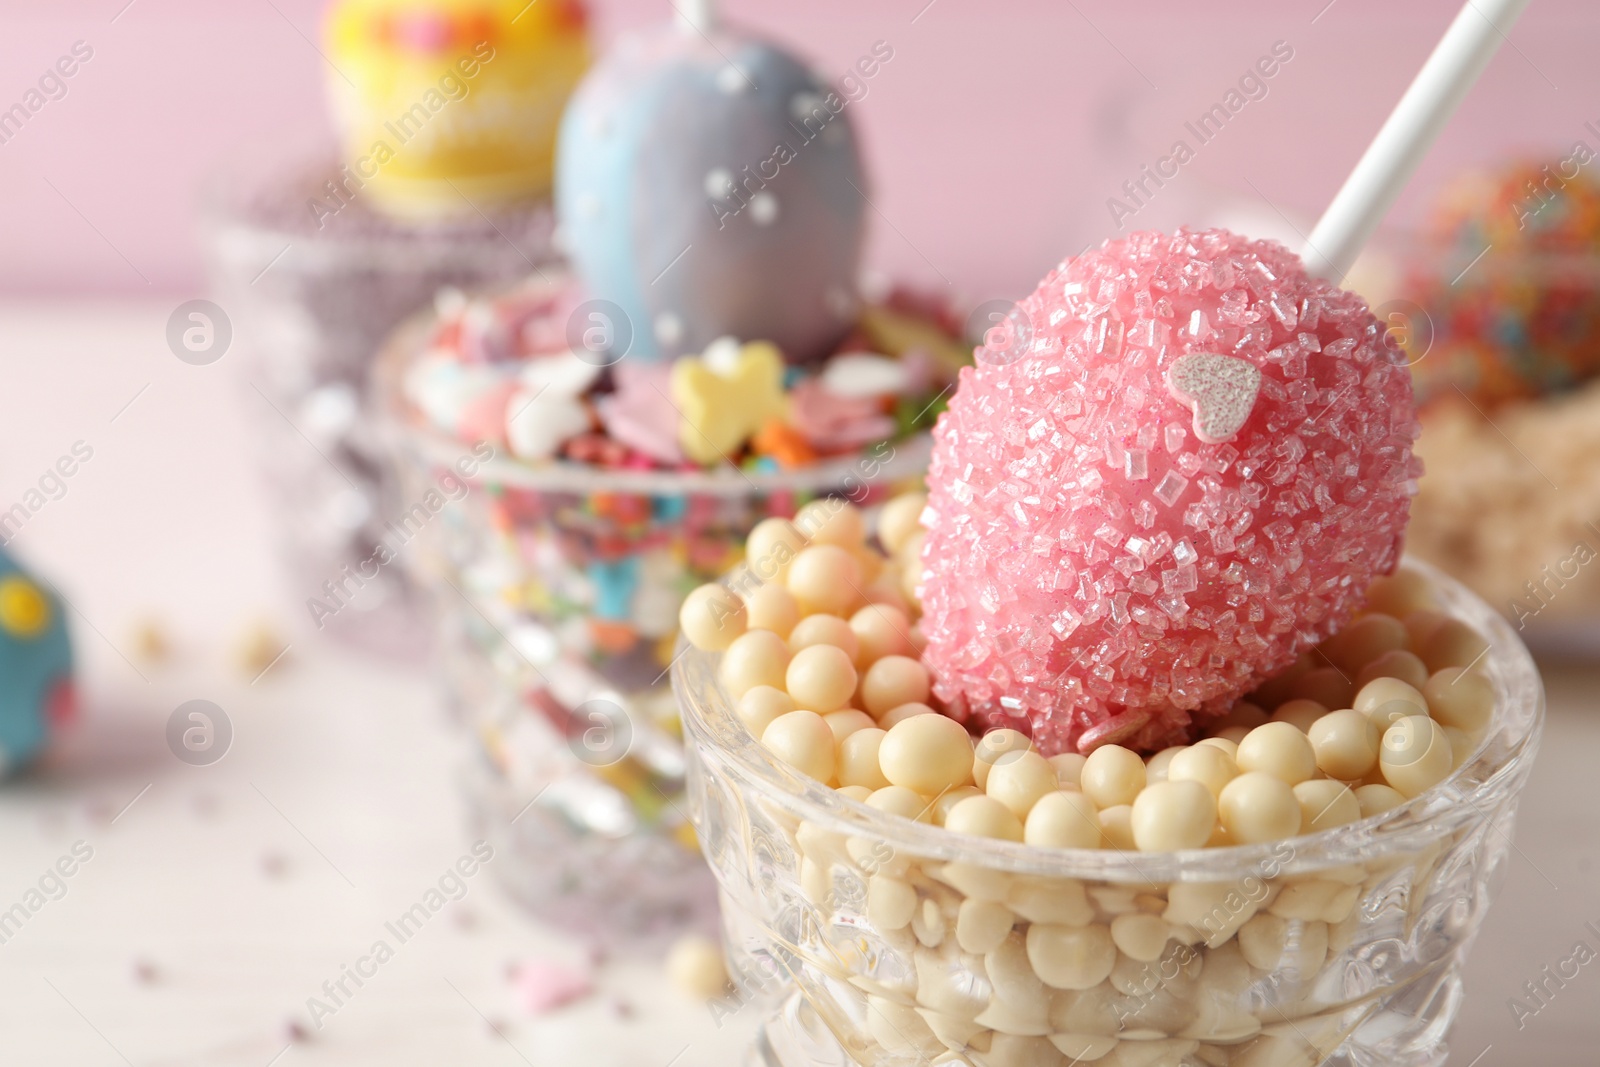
{"points": [[36, 692], [711, 186]]}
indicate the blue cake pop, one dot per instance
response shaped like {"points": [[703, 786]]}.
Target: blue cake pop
{"points": [[36, 691], [709, 184]]}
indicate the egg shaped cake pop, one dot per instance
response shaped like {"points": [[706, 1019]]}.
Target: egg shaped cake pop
{"points": [[1188, 476], [710, 185], [36, 690]]}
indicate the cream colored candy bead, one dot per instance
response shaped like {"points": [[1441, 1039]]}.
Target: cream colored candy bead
{"points": [[982, 925], [1364, 640], [1071, 957], [1233, 735], [1346, 744], [824, 630], [996, 747], [759, 706], [1376, 799], [1421, 624], [881, 630], [1461, 746], [1386, 699], [1278, 749], [771, 607], [858, 793], [1116, 828], [892, 681], [950, 798], [771, 548], [1069, 769], [760, 657], [1324, 804], [848, 721], [712, 617], [919, 641], [1300, 713], [1245, 714], [983, 816], [1328, 686], [1415, 755], [1062, 820], [821, 678], [831, 521], [1112, 776], [1257, 807], [1210, 765], [1404, 665], [1140, 936], [898, 800], [911, 575], [1400, 593], [1020, 780], [696, 967], [890, 902], [894, 716], [929, 754], [803, 741], [1155, 768], [858, 759], [1227, 744], [825, 578], [1169, 816], [1460, 698], [898, 520], [1452, 644]]}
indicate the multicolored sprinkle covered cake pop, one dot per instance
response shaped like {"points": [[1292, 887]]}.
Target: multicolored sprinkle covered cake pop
{"points": [[1190, 476]]}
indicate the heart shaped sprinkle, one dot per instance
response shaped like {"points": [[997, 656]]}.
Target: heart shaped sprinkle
{"points": [[1221, 390]]}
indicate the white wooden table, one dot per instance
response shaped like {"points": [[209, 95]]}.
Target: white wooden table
{"points": [[218, 899]]}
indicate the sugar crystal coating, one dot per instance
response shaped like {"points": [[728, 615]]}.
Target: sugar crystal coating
{"points": [[1093, 572]]}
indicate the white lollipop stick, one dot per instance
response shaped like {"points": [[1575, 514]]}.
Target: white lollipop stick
{"points": [[1427, 105], [698, 15]]}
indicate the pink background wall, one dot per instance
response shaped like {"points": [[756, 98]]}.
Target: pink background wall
{"points": [[997, 131]]}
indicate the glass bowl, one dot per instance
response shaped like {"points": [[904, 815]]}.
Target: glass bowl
{"points": [[1343, 947]]}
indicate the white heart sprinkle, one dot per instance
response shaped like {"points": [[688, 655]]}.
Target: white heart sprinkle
{"points": [[1222, 391]]}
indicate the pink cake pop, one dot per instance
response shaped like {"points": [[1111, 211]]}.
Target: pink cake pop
{"points": [[1187, 477]]}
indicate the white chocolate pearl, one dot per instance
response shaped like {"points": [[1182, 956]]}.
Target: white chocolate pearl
{"points": [[1400, 593], [982, 925], [825, 578], [1346, 744], [1401, 664], [890, 902], [848, 721], [1140, 936], [831, 521], [898, 520], [771, 548], [1020, 780], [1278, 749], [1461, 746], [1415, 755], [1069, 769], [1244, 714], [803, 741], [1257, 807], [824, 630], [994, 747], [858, 793], [1227, 744], [1460, 698], [758, 658], [983, 816], [892, 681], [771, 607], [1116, 828], [950, 798], [821, 678], [1155, 768], [1452, 644], [1112, 776], [1233, 735], [885, 590], [1420, 625], [858, 759], [1376, 799], [894, 716], [928, 754], [1326, 685], [1210, 765], [1071, 957], [1063, 820], [1324, 804], [712, 617], [871, 565], [1298, 713], [911, 572], [881, 630], [898, 800], [759, 706], [1385, 700], [1169, 816], [696, 967], [1364, 641]]}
